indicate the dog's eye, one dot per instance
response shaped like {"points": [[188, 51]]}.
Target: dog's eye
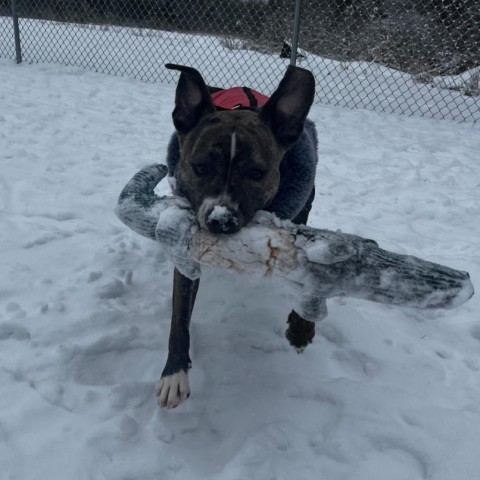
{"points": [[256, 174], [200, 169]]}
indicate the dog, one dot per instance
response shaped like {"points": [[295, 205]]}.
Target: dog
{"points": [[236, 160]]}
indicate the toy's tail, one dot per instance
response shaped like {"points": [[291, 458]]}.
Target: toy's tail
{"points": [[136, 203]]}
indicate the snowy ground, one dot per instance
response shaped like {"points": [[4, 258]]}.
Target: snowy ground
{"points": [[382, 392]]}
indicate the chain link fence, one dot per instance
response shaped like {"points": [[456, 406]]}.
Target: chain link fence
{"points": [[414, 57]]}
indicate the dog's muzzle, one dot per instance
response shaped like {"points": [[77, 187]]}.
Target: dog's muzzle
{"points": [[220, 215], [222, 220]]}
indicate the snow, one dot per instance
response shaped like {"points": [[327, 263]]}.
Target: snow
{"points": [[219, 213], [383, 392]]}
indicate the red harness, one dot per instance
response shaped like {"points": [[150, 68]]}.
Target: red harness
{"points": [[238, 97]]}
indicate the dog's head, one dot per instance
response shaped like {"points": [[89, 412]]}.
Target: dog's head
{"points": [[229, 165]]}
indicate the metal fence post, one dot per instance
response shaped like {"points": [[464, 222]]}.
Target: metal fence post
{"points": [[16, 32], [296, 32]]}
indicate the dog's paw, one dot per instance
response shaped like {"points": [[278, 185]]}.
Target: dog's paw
{"points": [[300, 332], [299, 345], [299, 350], [173, 390]]}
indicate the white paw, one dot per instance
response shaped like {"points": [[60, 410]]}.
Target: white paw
{"points": [[173, 390], [299, 350]]}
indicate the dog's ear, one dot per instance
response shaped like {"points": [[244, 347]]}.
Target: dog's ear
{"points": [[288, 107], [192, 98]]}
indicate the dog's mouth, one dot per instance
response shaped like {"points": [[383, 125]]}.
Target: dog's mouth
{"points": [[219, 218]]}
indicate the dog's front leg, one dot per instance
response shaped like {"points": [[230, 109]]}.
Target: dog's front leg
{"points": [[173, 387]]}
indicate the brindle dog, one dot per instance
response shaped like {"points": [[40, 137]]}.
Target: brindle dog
{"points": [[229, 162]]}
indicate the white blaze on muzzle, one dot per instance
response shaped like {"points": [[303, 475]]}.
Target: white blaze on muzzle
{"points": [[220, 214]]}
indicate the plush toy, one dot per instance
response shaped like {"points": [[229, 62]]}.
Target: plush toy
{"points": [[318, 263]]}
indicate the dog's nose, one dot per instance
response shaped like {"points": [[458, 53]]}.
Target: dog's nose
{"points": [[222, 220]]}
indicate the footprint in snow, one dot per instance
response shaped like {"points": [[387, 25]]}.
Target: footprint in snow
{"points": [[117, 359], [113, 289], [58, 216], [15, 311], [356, 362], [11, 330], [45, 238], [332, 334], [395, 456], [475, 332], [472, 364]]}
